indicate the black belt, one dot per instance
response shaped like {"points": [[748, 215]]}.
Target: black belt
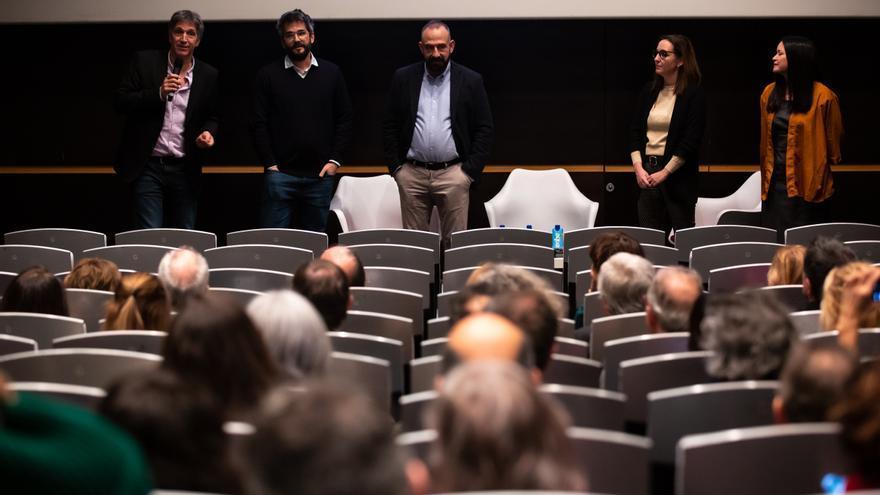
{"points": [[168, 160], [436, 165], [653, 160]]}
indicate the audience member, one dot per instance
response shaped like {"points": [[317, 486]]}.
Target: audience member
{"points": [[295, 334], [624, 282], [212, 342], [324, 440], [94, 274], [325, 286], [823, 254], [750, 334], [486, 336], [607, 245], [670, 299], [141, 303], [179, 428], [812, 382], [184, 271], [787, 267], [348, 261], [856, 300], [494, 279], [35, 290], [496, 431], [832, 292], [859, 416], [50, 448], [533, 313]]}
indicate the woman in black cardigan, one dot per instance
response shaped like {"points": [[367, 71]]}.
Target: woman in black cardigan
{"points": [[665, 137]]}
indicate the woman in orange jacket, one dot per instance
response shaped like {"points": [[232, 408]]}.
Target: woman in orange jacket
{"points": [[801, 128]]}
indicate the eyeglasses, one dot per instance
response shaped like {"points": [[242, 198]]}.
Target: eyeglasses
{"points": [[663, 53]]}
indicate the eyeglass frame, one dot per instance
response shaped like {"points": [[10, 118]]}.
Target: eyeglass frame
{"points": [[666, 52]]}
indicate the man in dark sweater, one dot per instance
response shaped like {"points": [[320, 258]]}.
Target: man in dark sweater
{"points": [[301, 127]]}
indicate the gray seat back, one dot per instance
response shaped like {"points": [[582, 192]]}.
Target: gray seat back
{"points": [[243, 296], [146, 341], [866, 250], [735, 278], [88, 305], [868, 341], [762, 460], [77, 395], [638, 377], [677, 412], [589, 407], [73, 240], [842, 231], [249, 279], [570, 370], [422, 372], [381, 325], [806, 322], [369, 374], [396, 256], [513, 254], [706, 258], [661, 255], [499, 235], [407, 237], [378, 347], [614, 327], [89, 367], [613, 462], [694, 237], [584, 237], [791, 296], [619, 350], [137, 257], [413, 408], [392, 302], [196, 239], [438, 327], [405, 279], [15, 258], [10, 344], [260, 256], [316, 242], [40, 327]]}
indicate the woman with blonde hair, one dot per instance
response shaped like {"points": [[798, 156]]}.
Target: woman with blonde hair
{"points": [[141, 303], [787, 267], [833, 293]]}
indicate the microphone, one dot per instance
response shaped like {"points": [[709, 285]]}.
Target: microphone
{"points": [[178, 66]]}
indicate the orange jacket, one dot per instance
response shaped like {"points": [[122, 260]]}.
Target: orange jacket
{"points": [[813, 145]]}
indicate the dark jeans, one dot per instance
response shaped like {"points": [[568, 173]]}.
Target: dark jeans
{"points": [[164, 195], [290, 201], [658, 209], [779, 212]]}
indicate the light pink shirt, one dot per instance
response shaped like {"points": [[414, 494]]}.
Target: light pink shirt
{"points": [[170, 142]]}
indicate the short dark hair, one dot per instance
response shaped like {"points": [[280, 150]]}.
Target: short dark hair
{"points": [[325, 285], [295, 15], [750, 334], [435, 23], [187, 16], [179, 427], [35, 290], [326, 438], [95, 274], [823, 254], [610, 243], [531, 311], [813, 380], [213, 342]]}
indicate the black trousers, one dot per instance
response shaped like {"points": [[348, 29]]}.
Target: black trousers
{"points": [[660, 208], [779, 212]]}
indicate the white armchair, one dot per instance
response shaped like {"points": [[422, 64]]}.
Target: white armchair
{"points": [[745, 199], [362, 203], [541, 198]]}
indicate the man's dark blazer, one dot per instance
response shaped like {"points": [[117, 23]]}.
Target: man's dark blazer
{"points": [[472, 127], [684, 138], [138, 99]]}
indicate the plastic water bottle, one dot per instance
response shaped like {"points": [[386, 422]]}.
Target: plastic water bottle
{"points": [[529, 226], [557, 238], [501, 226]]}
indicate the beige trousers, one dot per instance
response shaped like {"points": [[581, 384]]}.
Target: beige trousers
{"points": [[422, 189]]}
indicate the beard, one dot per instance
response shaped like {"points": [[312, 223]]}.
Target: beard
{"points": [[436, 65], [299, 56]]}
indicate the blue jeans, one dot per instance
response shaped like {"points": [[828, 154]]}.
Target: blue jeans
{"points": [[290, 201], [164, 191]]}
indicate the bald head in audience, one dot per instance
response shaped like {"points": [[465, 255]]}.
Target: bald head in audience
{"points": [[670, 299], [812, 382], [184, 273], [349, 262]]}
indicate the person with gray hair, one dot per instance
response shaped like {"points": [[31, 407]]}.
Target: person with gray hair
{"points": [[750, 335], [294, 331], [671, 298], [183, 272], [623, 282]]}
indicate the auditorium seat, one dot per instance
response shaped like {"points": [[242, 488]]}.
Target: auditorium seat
{"points": [[10, 344], [735, 278], [422, 372], [762, 460], [392, 302], [746, 198], [703, 259], [791, 296], [690, 238], [433, 347], [584, 237], [381, 325], [806, 322], [620, 350], [589, 407], [614, 327], [42, 328], [260, 256], [88, 367], [406, 237], [842, 231], [661, 255], [868, 341], [438, 327], [196, 239], [401, 279], [638, 377], [512, 254], [372, 375], [88, 305], [249, 279], [396, 256], [316, 242], [378, 347], [866, 250], [571, 370], [500, 235], [243, 296], [77, 395], [137, 257], [73, 240], [147, 341], [15, 258], [362, 203]]}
